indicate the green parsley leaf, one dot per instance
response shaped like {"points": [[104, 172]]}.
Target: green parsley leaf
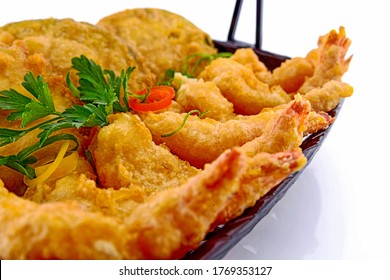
{"points": [[100, 90]]}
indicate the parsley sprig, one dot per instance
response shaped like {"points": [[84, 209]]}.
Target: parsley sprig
{"points": [[99, 90]]}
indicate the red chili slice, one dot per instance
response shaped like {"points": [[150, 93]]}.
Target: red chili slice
{"points": [[159, 98]]}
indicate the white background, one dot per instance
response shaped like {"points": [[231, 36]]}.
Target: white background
{"points": [[339, 208]]}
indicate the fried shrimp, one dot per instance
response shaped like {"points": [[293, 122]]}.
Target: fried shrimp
{"points": [[174, 37], [195, 94], [325, 63], [292, 74], [240, 86], [248, 58], [284, 131], [125, 156], [201, 141], [159, 227], [261, 173], [327, 97], [154, 230], [97, 161], [330, 62]]}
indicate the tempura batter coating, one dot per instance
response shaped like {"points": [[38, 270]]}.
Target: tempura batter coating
{"points": [[327, 97], [161, 226], [144, 195], [329, 59], [318, 121], [248, 58], [59, 40], [156, 229], [201, 141], [240, 86], [195, 94], [261, 173], [292, 74], [284, 131], [126, 157], [174, 37], [16, 61], [81, 186]]}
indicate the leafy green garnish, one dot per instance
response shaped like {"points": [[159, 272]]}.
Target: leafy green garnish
{"points": [[100, 90], [28, 109]]}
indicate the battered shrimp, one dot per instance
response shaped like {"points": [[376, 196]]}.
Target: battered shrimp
{"points": [[284, 131], [248, 58], [331, 62], [240, 86], [195, 94], [155, 229], [318, 121], [261, 173], [292, 74], [159, 228], [323, 64], [327, 97], [201, 141], [125, 156]]}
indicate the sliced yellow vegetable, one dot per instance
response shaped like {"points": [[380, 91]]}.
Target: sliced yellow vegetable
{"points": [[60, 167]]}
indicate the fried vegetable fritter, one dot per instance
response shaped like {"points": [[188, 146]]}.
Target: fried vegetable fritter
{"points": [[59, 40], [174, 37]]}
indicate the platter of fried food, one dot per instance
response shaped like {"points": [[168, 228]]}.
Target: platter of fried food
{"points": [[135, 143]]}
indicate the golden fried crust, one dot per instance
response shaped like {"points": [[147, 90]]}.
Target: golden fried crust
{"points": [[195, 94], [161, 226], [284, 131], [327, 97], [15, 62], [60, 230], [292, 74], [240, 86], [155, 229], [126, 156], [173, 37], [248, 58], [331, 63], [80, 186], [154, 202], [59, 40], [318, 121], [201, 141], [261, 173]]}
